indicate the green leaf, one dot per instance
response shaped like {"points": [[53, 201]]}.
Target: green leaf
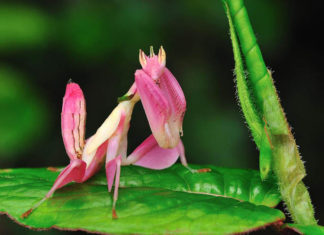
{"points": [[244, 185], [306, 229], [169, 201]]}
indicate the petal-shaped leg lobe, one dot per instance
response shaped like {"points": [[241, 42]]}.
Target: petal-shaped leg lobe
{"points": [[111, 167], [113, 172], [177, 102], [73, 172], [96, 162], [155, 105], [150, 155], [174, 94], [73, 119], [115, 147]]}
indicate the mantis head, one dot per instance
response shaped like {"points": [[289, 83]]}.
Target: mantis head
{"points": [[153, 65]]}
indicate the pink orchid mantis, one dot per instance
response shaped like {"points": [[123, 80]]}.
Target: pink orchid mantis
{"points": [[164, 104], [110, 140]]}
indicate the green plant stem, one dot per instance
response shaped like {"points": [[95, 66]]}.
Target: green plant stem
{"points": [[249, 109], [287, 164]]}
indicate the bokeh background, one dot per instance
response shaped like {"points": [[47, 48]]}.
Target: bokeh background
{"points": [[96, 43]]}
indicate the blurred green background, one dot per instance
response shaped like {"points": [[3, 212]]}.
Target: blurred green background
{"points": [[96, 43]]}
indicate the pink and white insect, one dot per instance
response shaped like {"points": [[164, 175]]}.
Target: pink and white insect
{"points": [[164, 104]]}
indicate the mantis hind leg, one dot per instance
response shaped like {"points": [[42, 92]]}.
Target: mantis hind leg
{"points": [[73, 172], [184, 162], [113, 172]]}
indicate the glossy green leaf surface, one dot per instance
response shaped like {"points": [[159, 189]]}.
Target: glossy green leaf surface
{"points": [[307, 229], [169, 201], [244, 185]]}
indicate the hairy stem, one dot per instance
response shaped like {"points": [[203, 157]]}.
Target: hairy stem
{"points": [[286, 160], [249, 108]]}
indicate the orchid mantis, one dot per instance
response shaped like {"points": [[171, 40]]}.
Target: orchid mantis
{"points": [[164, 104]]}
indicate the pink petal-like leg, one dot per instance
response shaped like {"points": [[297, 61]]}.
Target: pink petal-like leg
{"points": [[73, 172], [97, 161], [162, 98], [73, 127], [177, 101], [156, 108], [113, 171], [73, 119], [150, 155], [116, 148]]}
